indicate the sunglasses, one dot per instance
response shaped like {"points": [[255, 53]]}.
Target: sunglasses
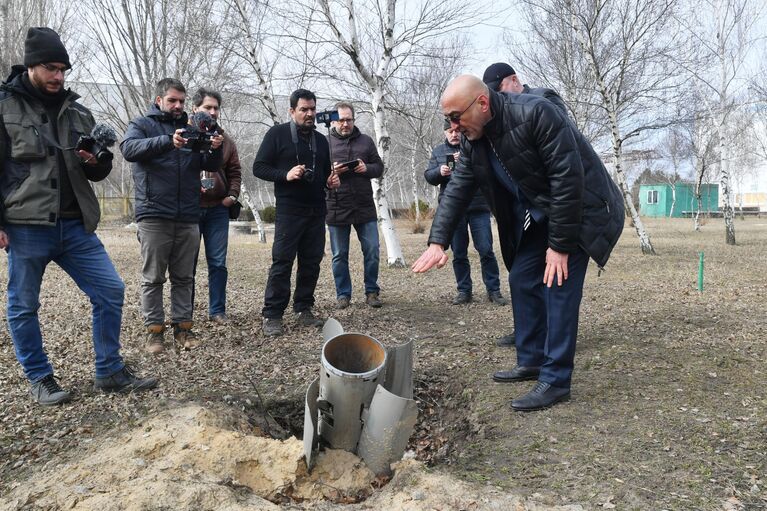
{"points": [[456, 118]]}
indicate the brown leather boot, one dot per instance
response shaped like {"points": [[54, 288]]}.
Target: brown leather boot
{"points": [[154, 339], [184, 336]]}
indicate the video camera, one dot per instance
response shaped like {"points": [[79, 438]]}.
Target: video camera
{"points": [[326, 117], [199, 133], [97, 143]]}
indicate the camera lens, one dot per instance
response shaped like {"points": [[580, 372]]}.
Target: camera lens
{"points": [[308, 175]]}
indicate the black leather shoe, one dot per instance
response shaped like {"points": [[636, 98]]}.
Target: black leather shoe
{"points": [[461, 299], [506, 341], [543, 395], [518, 373]]}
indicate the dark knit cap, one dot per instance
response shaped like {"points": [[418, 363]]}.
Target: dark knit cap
{"points": [[495, 73], [44, 45], [446, 125]]}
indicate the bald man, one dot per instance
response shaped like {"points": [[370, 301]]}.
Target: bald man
{"points": [[556, 207]]}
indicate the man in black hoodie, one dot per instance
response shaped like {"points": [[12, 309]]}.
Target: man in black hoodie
{"points": [[49, 212], [166, 177], [297, 159]]}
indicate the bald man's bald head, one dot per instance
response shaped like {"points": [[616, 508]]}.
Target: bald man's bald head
{"points": [[466, 103], [464, 86]]}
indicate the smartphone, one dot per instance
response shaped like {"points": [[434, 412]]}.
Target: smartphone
{"points": [[351, 165], [450, 161]]}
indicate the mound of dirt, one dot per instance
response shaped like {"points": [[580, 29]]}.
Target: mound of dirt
{"points": [[195, 458]]}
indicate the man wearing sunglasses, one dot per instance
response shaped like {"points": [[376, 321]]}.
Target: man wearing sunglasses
{"points": [[501, 77], [49, 212], [556, 207], [296, 158]]}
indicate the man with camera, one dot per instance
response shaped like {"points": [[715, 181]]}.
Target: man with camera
{"points": [[296, 158], [49, 212], [220, 189], [356, 162], [476, 219], [168, 155], [556, 207]]}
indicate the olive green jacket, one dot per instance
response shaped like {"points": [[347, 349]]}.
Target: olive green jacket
{"points": [[29, 165]]}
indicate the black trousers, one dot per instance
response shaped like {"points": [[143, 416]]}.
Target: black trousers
{"points": [[294, 236]]}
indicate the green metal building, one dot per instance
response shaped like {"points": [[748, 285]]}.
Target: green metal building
{"points": [[656, 200]]}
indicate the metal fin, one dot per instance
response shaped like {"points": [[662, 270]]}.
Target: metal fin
{"points": [[388, 425], [399, 370], [310, 421], [331, 329]]}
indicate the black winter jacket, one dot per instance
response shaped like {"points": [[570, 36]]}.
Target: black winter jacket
{"points": [[549, 94], [277, 154], [555, 167], [166, 179], [352, 202], [434, 177]]}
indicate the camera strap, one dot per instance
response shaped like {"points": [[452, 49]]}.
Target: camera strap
{"points": [[312, 143]]}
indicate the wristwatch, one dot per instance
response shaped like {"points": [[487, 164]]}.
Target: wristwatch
{"points": [[234, 198]]}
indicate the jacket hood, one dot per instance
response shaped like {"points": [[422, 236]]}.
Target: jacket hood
{"points": [[154, 111]]}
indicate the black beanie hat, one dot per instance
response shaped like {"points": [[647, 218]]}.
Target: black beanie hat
{"points": [[495, 73], [44, 45], [446, 125]]}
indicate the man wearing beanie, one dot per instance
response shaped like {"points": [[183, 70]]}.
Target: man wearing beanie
{"points": [[49, 212], [476, 219], [501, 77]]}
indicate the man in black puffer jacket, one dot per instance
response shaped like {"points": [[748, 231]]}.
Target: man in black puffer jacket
{"points": [[166, 177], [476, 219], [556, 207]]}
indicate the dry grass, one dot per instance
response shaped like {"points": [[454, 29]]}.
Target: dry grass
{"points": [[668, 408]]}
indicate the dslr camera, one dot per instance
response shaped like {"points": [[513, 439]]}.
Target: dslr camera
{"points": [[101, 138], [199, 133], [308, 174], [326, 117]]}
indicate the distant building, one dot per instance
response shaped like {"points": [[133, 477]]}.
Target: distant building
{"points": [[657, 200]]}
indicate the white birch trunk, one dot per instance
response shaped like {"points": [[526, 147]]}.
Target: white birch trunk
{"points": [[245, 194], [673, 200]]}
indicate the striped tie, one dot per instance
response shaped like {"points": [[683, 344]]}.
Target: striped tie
{"points": [[528, 219]]}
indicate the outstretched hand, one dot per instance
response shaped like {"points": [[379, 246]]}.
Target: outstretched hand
{"points": [[434, 256]]}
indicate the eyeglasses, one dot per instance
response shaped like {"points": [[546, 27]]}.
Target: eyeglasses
{"points": [[53, 69], [346, 121], [456, 118]]}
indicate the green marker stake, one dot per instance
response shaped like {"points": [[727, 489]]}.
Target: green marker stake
{"points": [[700, 272]]}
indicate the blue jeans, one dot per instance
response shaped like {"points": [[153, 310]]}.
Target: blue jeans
{"points": [[367, 233], [84, 258], [482, 235], [214, 230]]}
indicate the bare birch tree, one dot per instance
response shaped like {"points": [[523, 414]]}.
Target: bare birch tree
{"points": [[378, 38], [721, 33], [627, 46]]}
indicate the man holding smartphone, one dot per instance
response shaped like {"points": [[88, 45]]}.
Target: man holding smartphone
{"points": [[476, 219], [356, 161]]}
